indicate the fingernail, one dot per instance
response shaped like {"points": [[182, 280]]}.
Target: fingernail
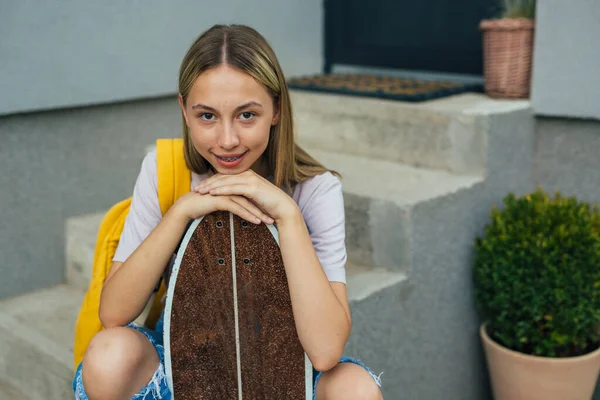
{"points": [[257, 220], [270, 220]]}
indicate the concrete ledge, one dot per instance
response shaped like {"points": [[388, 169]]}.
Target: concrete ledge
{"points": [[443, 134], [36, 352], [9, 392], [364, 282], [401, 184], [81, 239], [379, 196], [81, 234]]}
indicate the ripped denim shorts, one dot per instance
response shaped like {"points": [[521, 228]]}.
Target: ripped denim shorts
{"points": [[158, 388]]}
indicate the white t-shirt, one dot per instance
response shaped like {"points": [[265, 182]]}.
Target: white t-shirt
{"points": [[319, 198]]}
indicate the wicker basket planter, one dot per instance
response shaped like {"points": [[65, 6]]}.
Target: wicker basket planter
{"points": [[507, 56]]}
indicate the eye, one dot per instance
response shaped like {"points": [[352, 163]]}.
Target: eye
{"points": [[247, 116], [207, 116]]}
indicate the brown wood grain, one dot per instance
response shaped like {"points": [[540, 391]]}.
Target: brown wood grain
{"points": [[203, 350], [272, 358]]}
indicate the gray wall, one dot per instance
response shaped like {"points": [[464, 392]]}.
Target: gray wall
{"points": [[565, 84], [567, 157], [65, 163], [66, 53], [567, 59]]}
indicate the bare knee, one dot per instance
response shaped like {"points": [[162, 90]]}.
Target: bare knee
{"points": [[348, 382], [122, 357]]}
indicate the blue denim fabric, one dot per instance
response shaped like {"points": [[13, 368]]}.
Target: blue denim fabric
{"points": [[158, 388]]}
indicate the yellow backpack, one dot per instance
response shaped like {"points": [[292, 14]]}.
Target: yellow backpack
{"points": [[174, 180]]}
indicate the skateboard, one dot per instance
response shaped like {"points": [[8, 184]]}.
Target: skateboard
{"points": [[229, 331]]}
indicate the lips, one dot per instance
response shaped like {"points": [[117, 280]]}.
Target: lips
{"points": [[230, 160], [230, 157]]}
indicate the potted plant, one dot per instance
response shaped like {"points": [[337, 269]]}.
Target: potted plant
{"points": [[537, 287], [508, 50]]}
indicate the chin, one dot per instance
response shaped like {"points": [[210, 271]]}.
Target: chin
{"points": [[227, 171]]}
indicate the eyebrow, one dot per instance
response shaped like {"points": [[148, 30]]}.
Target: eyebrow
{"points": [[238, 108]]}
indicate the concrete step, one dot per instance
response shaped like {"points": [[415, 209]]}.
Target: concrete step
{"points": [[379, 197], [362, 282], [36, 350], [81, 239], [448, 134], [81, 234], [8, 392]]}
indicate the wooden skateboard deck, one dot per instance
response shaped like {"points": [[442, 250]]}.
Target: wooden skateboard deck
{"points": [[229, 328]]}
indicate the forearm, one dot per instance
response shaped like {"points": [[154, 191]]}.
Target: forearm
{"points": [[126, 293], [321, 321]]}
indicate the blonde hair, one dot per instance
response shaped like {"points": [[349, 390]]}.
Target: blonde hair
{"points": [[243, 48]]}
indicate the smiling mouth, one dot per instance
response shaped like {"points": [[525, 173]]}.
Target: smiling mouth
{"points": [[231, 159]]}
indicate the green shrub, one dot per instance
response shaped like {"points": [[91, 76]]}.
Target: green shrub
{"points": [[537, 275], [518, 9]]}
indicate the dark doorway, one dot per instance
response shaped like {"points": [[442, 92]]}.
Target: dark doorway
{"points": [[425, 35]]}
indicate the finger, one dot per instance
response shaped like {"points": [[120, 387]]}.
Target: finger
{"points": [[233, 189], [208, 181], [205, 186], [253, 208], [225, 180], [214, 179], [227, 204]]}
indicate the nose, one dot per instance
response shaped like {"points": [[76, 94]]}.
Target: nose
{"points": [[228, 138]]}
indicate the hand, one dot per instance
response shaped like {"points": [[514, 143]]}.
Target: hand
{"points": [[194, 205], [268, 197]]}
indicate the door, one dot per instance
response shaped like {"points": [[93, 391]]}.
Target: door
{"points": [[425, 35]]}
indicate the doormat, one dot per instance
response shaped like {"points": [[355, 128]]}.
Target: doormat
{"points": [[383, 87]]}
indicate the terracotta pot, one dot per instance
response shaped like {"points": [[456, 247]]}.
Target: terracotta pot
{"points": [[518, 376], [507, 56]]}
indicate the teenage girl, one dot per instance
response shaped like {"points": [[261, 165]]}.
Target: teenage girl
{"points": [[239, 144]]}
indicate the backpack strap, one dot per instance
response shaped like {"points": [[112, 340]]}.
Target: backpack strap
{"points": [[174, 178]]}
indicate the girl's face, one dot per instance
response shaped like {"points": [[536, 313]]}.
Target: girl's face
{"points": [[229, 116]]}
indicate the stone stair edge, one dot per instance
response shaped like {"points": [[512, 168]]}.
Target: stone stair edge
{"points": [[449, 134], [67, 295], [8, 391], [36, 350], [39, 317], [36, 339], [28, 351], [370, 199], [361, 168], [402, 184], [464, 103], [439, 137], [363, 281]]}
